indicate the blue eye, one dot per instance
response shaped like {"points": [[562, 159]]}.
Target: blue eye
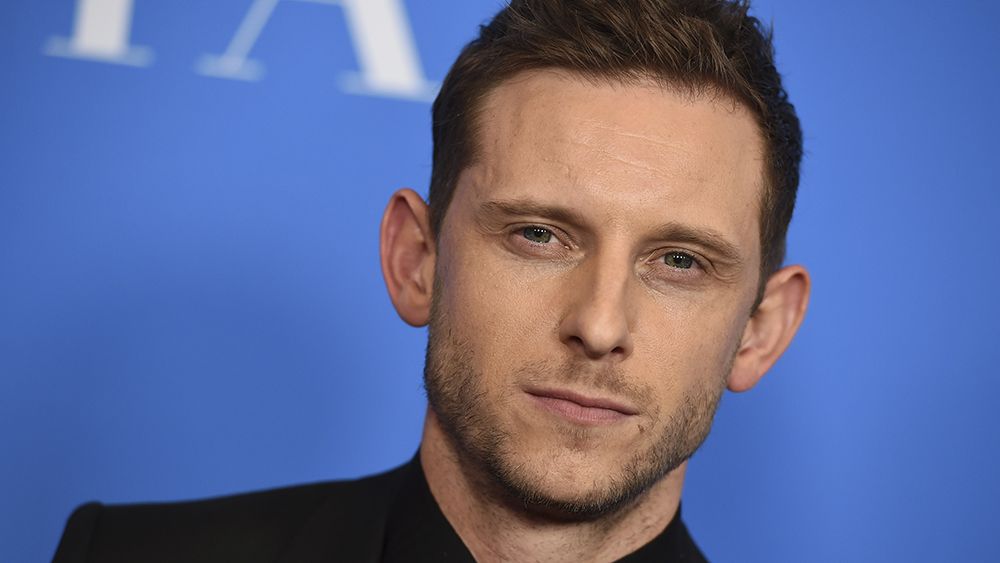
{"points": [[679, 260], [537, 234]]}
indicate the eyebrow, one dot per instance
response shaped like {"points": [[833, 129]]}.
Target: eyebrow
{"points": [[711, 240], [523, 207], [707, 238]]}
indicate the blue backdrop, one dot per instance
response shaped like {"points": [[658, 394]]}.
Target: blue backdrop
{"points": [[191, 305]]}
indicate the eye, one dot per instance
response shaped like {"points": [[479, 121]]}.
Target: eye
{"points": [[538, 235], [679, 260]]}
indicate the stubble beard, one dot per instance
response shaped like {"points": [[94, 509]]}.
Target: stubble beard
{"points": [[471, 422]]}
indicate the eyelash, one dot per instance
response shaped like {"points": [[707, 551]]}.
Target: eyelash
{"points": [[555, 236], [695, 259], [522, 230]]}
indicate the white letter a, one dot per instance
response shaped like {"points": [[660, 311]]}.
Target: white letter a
{"points": [[380, 31]]}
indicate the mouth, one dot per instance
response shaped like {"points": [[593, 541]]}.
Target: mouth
{"points": [[579, 408]]}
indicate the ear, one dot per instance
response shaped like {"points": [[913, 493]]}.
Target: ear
{"points": [[407, 251], [771, 327]]}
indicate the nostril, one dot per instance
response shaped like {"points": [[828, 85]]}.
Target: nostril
{"points": [[577, 342], [580, 346]]}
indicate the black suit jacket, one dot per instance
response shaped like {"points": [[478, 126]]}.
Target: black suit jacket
{"points": [[389, 517], [336, 521]]}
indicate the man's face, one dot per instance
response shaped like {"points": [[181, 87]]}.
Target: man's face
{"points": [[595, 271]]}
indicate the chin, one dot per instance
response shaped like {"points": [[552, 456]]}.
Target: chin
{"points": [[576, 498], [570, 483]]}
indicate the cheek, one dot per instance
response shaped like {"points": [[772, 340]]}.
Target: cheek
{"points": [[503, 313], [687, 345]]}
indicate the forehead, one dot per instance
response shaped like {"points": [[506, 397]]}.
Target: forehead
{"points": [[629, 153]]}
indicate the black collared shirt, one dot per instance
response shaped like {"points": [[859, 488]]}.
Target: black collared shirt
{"points": [[416, 530]]}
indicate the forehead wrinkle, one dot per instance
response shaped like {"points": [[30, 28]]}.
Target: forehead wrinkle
{"points": [[653, 153], [617, 130], [608, 152]]}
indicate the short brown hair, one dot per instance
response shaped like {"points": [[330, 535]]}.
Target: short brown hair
{"points": [[697, 45]]}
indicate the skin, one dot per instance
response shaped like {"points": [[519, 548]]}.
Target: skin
{"points": [[604, 246]]}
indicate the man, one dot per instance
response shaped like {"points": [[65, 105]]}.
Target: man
{"points": [[599, 259]]}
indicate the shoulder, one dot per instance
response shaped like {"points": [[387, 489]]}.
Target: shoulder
{"points": [[256, 526]]}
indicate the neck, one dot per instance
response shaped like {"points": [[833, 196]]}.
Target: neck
{"points": [[494, 529]]}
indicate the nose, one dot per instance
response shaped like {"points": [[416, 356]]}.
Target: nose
{"points": [[597, 321]]}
